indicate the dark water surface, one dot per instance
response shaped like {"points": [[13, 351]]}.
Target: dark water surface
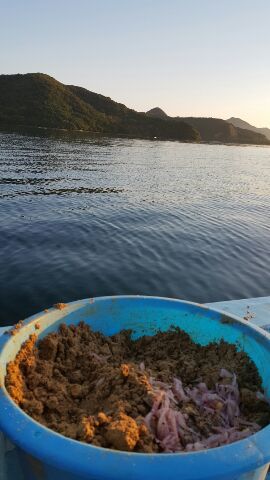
{"points": [[83, 216]]}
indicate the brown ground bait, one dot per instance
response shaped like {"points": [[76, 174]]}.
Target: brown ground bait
{"points": [[59, 306], [158, 393], [16, 328]]}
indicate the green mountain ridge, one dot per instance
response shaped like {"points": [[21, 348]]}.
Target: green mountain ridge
{"points": [[38, 100], [217, 130], [157, 112], [238, 122]]}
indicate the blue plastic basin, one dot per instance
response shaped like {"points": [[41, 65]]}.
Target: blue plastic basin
{"points": [[46, 455]]}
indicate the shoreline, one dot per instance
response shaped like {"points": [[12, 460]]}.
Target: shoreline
{"points": [[18, 128]]}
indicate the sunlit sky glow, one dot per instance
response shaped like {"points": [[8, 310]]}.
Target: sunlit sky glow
{"points": [[189, 57]]}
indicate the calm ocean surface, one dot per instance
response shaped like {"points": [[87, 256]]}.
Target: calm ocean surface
{"points": [[84, 216]]}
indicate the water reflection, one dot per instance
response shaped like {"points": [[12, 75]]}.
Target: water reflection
{"points": [[64, 136], [85, 216], [64, 191], [26, 181]]}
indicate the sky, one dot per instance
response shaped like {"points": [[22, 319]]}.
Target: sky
{"points": [[189, 57]]}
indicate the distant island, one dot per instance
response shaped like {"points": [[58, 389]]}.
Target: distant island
{"points": [[220, 131], [237, 122], [38, 100]]}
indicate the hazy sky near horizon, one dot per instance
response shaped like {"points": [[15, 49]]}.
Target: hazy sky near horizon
{"points": [[189, 57]]}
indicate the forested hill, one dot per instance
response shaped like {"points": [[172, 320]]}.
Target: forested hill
{"points": [[38, 100], [217, 130], [238, 122]]}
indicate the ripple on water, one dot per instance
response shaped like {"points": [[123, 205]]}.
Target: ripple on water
{"points": [[84, 216]]}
